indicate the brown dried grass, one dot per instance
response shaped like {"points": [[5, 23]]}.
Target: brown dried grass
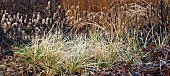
{"points": [[100, 5], [114, 16]]}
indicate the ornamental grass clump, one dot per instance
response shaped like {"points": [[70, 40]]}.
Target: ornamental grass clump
{"points": [[57, 56]]}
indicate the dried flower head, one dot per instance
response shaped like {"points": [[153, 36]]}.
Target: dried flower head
{"points": [[14, 24], [43, 21], [59, 7], [33, 15], [68, 12], [38, 15], [47, 19], [9, 23], [14, 17], [54, 15], [9, 16], [3, 16], [26, 16], [3, 20], [84, 13], [5, 11], [34, 20], [72, 7], [25, 20], [77, 7], [49, 5], [5, 27], [18, 15], [80, 19]]}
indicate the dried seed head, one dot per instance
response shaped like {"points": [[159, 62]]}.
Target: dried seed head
{"points": [[43, 21], [18, 15], [34, 20], [20, 20], [5, 27], [46, 8], [28, 26], [17, 18], [49, 5], [59, 7], [38, 15], [9, 16], [34, 25], [23, 32], [30, 20], [14, 24], [122, 7], [126, 7], [77, 7], [71, 18], [51, 20], [38, 18], [94, 17], [47, 19], [80, 19], [26, 16], [29, 23], [68, 12], [25, 20], [14, 16], [84, 13], [72, 7], [5, 11], [3, 19], [37, 29], [54, 15], [33, 15], [151, 3], [3, 16], [49, 12]]}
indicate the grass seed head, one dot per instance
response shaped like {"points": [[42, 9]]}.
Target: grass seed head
{"points": [[59, 7], [72, 7], [49, 5], [43, 21]]}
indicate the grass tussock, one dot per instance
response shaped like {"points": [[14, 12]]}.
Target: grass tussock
{"points": [[59, 57], [102, 34]]}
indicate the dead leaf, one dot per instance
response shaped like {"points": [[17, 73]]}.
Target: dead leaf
{"points": [[153, 46]]}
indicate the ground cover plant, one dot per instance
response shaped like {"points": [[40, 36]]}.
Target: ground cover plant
{"points": [[102, 38]]}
